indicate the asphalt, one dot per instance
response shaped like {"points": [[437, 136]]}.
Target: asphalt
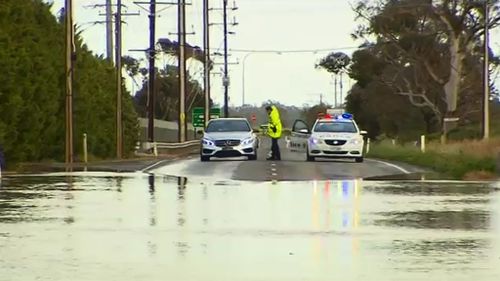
{"points": [[292, 167]]}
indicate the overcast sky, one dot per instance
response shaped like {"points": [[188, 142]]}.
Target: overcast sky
{"points": [[280, 25]]}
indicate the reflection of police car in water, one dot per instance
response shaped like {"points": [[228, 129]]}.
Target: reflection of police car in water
{"points": [[229, 137], [332, 136]]}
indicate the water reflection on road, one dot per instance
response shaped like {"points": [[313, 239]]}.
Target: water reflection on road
{"points": [[145, 227]]}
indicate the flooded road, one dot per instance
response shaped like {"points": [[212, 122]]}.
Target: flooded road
{"points": [[103, 226]]}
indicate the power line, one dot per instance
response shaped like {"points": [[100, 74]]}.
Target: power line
{"points": [[294, 51]]}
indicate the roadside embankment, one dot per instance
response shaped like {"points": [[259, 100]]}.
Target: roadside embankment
{"points": [[137, 163], [467, 160]]}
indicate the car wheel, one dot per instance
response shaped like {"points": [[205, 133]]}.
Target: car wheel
{"points": [[204, 158], [309, 158], [359, 159], [252, 157]]}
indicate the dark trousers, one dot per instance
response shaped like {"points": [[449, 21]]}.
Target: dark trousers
{"points": [[275, 149], [2, 159]]}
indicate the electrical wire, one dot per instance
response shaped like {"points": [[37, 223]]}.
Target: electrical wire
{"points": [[294, 51]]}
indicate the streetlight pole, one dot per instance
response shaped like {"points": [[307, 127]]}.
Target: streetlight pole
{"points": [[335, 90], [243, 78]]}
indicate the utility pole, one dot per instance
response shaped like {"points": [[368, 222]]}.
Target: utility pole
{"points": [[486, 74], [109, 30], [225, 80], [118, 59], [335, 91], [206, 64], [70, 55], [151, 55], [152, 73], [182, 69], [341, 89]]}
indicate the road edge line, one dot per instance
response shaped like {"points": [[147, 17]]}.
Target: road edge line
{"points": [[150, 167], [393, 166]]}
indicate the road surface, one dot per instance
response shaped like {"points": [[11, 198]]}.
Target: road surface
{"points": [[293, 167]]}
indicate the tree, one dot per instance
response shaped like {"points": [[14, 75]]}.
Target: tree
{"points": [[429, 40], [336, 63], [426, 51], [312, 113], [167, 95], [32, 95]]}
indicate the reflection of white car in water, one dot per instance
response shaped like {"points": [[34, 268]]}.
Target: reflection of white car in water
{"points": [[229, 137], [331, 137]]}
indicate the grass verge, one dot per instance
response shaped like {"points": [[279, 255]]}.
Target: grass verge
{"points": [[471, 160]]}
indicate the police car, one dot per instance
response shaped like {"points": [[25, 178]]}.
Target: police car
{"points": [[331, 136]]}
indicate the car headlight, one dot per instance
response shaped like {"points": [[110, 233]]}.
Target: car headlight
{"points": [[247, 141], [315, 140], [355, 141], [207, 142]]}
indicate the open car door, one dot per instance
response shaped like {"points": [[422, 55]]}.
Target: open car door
{"points": [[299, 136]]}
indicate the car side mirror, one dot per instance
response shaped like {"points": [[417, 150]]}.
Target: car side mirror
{"points": [[304, 131], [363, 132], [199, 132]]}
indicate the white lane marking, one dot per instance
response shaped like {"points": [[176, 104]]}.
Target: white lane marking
{"points": [[155, 165], [392, 165], [274, 174], [192, 168], [273, 169], [174, 168]]}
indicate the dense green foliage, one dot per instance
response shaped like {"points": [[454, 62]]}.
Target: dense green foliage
{"points": [[32, 89]]}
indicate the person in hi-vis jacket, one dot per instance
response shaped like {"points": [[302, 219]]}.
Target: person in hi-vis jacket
{"points": [[274, 131]]}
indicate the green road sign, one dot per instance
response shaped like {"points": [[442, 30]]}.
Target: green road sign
{"points": [[214, 113], [199, 116]]}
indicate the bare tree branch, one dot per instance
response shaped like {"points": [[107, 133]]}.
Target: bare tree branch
{"points": [[432, 73]]}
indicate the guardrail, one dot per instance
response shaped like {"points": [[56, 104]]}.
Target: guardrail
{"points": [[165, 145]]}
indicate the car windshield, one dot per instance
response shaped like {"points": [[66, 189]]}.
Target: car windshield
{"points": [[335, 127], [228, 126]]}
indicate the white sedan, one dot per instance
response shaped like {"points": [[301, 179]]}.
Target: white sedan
{"points": [[229, 137], [336, 137]]}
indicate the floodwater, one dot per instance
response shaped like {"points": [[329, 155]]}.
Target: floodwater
{"points": [[104, 226]]}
